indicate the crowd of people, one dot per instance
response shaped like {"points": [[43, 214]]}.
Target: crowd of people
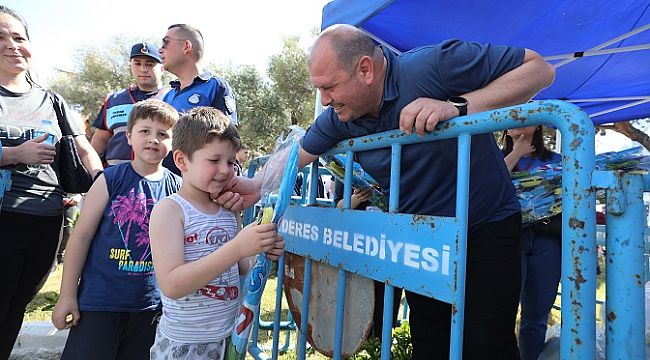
{"points": [[153, 266]]}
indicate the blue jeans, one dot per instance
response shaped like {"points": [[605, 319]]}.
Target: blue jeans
{"points": [[541, 261]]}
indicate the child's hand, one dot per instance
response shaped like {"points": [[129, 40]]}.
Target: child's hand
{"points": [[359, 196], [65, 308], [362, 195], [254, 239], [277, 250], [522, 147]]}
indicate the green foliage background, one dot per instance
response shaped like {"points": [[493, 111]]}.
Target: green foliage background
{"points": [[266, 103]]}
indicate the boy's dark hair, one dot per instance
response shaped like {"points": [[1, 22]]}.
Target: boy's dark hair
{"points": [[201, 126], [153, 109]]}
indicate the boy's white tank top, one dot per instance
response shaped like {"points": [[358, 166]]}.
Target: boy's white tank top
{"points": [[208, 314]]}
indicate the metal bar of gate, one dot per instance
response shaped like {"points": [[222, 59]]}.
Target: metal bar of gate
{"points": [[624, 267], [462, 214], [306, 291], [340, 292], [393, 207], [278, 306]]}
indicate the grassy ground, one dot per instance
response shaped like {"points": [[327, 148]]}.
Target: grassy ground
{"points": [[40, 309], [267, 313], [555, 316]]}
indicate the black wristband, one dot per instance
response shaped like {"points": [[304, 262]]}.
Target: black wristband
{"points": [[97, 175], [460, 103]]}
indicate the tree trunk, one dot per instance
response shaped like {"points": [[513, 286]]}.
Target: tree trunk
{"points": [[626, 128], [294, 118]]}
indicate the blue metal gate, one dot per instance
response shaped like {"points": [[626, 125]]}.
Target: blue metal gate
{"points": [[625, 279], [446, 237]]}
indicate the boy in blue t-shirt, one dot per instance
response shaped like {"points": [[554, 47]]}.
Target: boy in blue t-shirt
{"points": [[109, 297]]}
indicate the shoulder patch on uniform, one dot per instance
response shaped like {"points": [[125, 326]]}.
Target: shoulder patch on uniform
{"points": [[194, 99], [231, 106]]}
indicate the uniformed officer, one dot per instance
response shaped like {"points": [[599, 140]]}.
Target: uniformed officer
{"points": [[109, 140], [181, 52]]}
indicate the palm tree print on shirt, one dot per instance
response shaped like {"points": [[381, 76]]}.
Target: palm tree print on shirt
{"points": [[130, 210]]}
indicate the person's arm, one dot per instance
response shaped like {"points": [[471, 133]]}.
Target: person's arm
{"points": [[88, 156], [520, 147], [226, 102], [517, 86], [178, 278], [245, 263], [76, 253], [244, 192], [100, 139], [511, 160]]}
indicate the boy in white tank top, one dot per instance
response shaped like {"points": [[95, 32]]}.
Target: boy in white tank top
{"points": [[198, 254]]}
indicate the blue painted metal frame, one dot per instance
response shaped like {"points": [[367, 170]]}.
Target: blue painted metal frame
{"points": [[625, 280], [579, 250], [579, 256], [277, 324]]}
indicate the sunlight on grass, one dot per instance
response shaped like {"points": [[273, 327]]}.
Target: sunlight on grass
{"points": [[555, 316], [40, 308], [265, 336]]}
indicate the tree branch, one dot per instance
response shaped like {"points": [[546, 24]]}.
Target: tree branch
{"points": [[626, 128]]}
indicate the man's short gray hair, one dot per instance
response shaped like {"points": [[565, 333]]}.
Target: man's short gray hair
{"points": [[349, 44]]}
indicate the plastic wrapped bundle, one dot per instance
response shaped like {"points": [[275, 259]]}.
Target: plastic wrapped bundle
{"points": [[279, 177], [360, 179], [539, 190]]}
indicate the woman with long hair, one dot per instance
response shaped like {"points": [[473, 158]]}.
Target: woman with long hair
{"points": [[541, 248]]}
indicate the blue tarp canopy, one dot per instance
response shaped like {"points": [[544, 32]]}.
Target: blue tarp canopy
{"points": [[600, 48]]}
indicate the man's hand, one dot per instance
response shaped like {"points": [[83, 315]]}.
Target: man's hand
{"points": [[240, 193], [425, 114], [231, 201]]}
